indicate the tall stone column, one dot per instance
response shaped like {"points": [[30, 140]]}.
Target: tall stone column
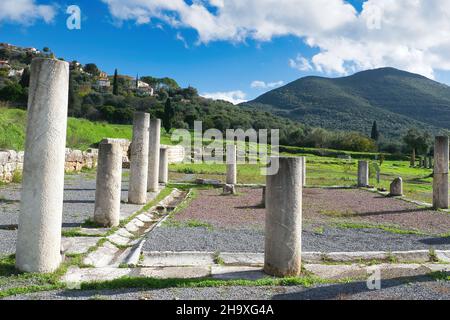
{"points": [[164, 165], [413, 158], [153, 155], [440, 181], [231, 164], [283, 235], [137, 193], [39, 236], [363, 174], [109, 185], [304, 170]]}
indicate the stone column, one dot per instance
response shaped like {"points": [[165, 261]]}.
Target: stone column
{"points": [[39, 236], [413, 158], [304, 170], [283, 235], [263, 201], [396, 188], [153, 155], [363, 174], [109, 185], [430, 163], [440, 181], [164, 165], [137, 193], [231, 164]]}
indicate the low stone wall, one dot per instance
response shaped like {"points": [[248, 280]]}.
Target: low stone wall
{"points": [[12, 161], [76, 160], [176, 154]]}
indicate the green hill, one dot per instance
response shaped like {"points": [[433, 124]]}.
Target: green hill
{"points": [[397, 100]]}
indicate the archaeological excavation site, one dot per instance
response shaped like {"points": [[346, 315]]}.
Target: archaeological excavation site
{"points": [[138, 219]]}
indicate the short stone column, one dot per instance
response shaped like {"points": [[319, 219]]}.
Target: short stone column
{"points": [[430, 163], [396, 189], [109, 185], [440, 181], [153, 155], [137, 193], [363, 174], [231, 164], [283, 231], [39, 237], [164, 165]]}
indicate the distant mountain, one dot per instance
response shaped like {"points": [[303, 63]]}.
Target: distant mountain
{"points": [[396, 99]]}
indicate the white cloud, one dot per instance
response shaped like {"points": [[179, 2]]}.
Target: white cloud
{"points": [[235, 97], [300, 63], [180, 37], [409, 34], [25, 11], [263, 85], [236, 20]]}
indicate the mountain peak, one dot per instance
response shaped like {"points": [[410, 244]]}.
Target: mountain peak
{"points": [[396, 99]]}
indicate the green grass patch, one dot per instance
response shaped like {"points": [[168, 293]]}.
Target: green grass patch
{"points": [[151, 283], [14, 282], [440, 276], [390, 229]]}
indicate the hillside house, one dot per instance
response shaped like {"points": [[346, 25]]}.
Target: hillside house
{"points": [[32, 50], [143, 88], [4, 64], [15, 73], [103, 81], [4, 45]]}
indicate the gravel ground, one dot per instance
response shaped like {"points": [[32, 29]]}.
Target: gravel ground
{"points": [[249, 240], [423, 289], [319, 206], [7, 242], [79, 203], [360, 205], [238, 223]]}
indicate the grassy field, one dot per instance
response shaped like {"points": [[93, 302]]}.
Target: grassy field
{"points": [[327, 171], [324, 168], [81, 134]]}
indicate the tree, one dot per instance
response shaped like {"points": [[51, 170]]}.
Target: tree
{"points": [[375, 135], [169, 114], [13, 92], [25, 79], [417, 142], [74, 98], [115, 84], [92, 69]]}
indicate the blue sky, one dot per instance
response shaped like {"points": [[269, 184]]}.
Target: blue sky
{"points": [[224, 60]]}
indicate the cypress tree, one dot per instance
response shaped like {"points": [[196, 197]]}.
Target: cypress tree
{"points": [[115, 84], [375, 135]]}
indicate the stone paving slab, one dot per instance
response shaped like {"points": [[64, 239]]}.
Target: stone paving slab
{"points": [[240, 259], [103, 256], [170, 259], [326, 272], [78, 245], [234, 272]]}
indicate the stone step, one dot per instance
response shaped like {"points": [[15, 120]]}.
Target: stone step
{"points": [[161, 259], [357, 272]]}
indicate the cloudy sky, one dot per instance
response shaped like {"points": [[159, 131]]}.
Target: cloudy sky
{"points": [[236, 49]]}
